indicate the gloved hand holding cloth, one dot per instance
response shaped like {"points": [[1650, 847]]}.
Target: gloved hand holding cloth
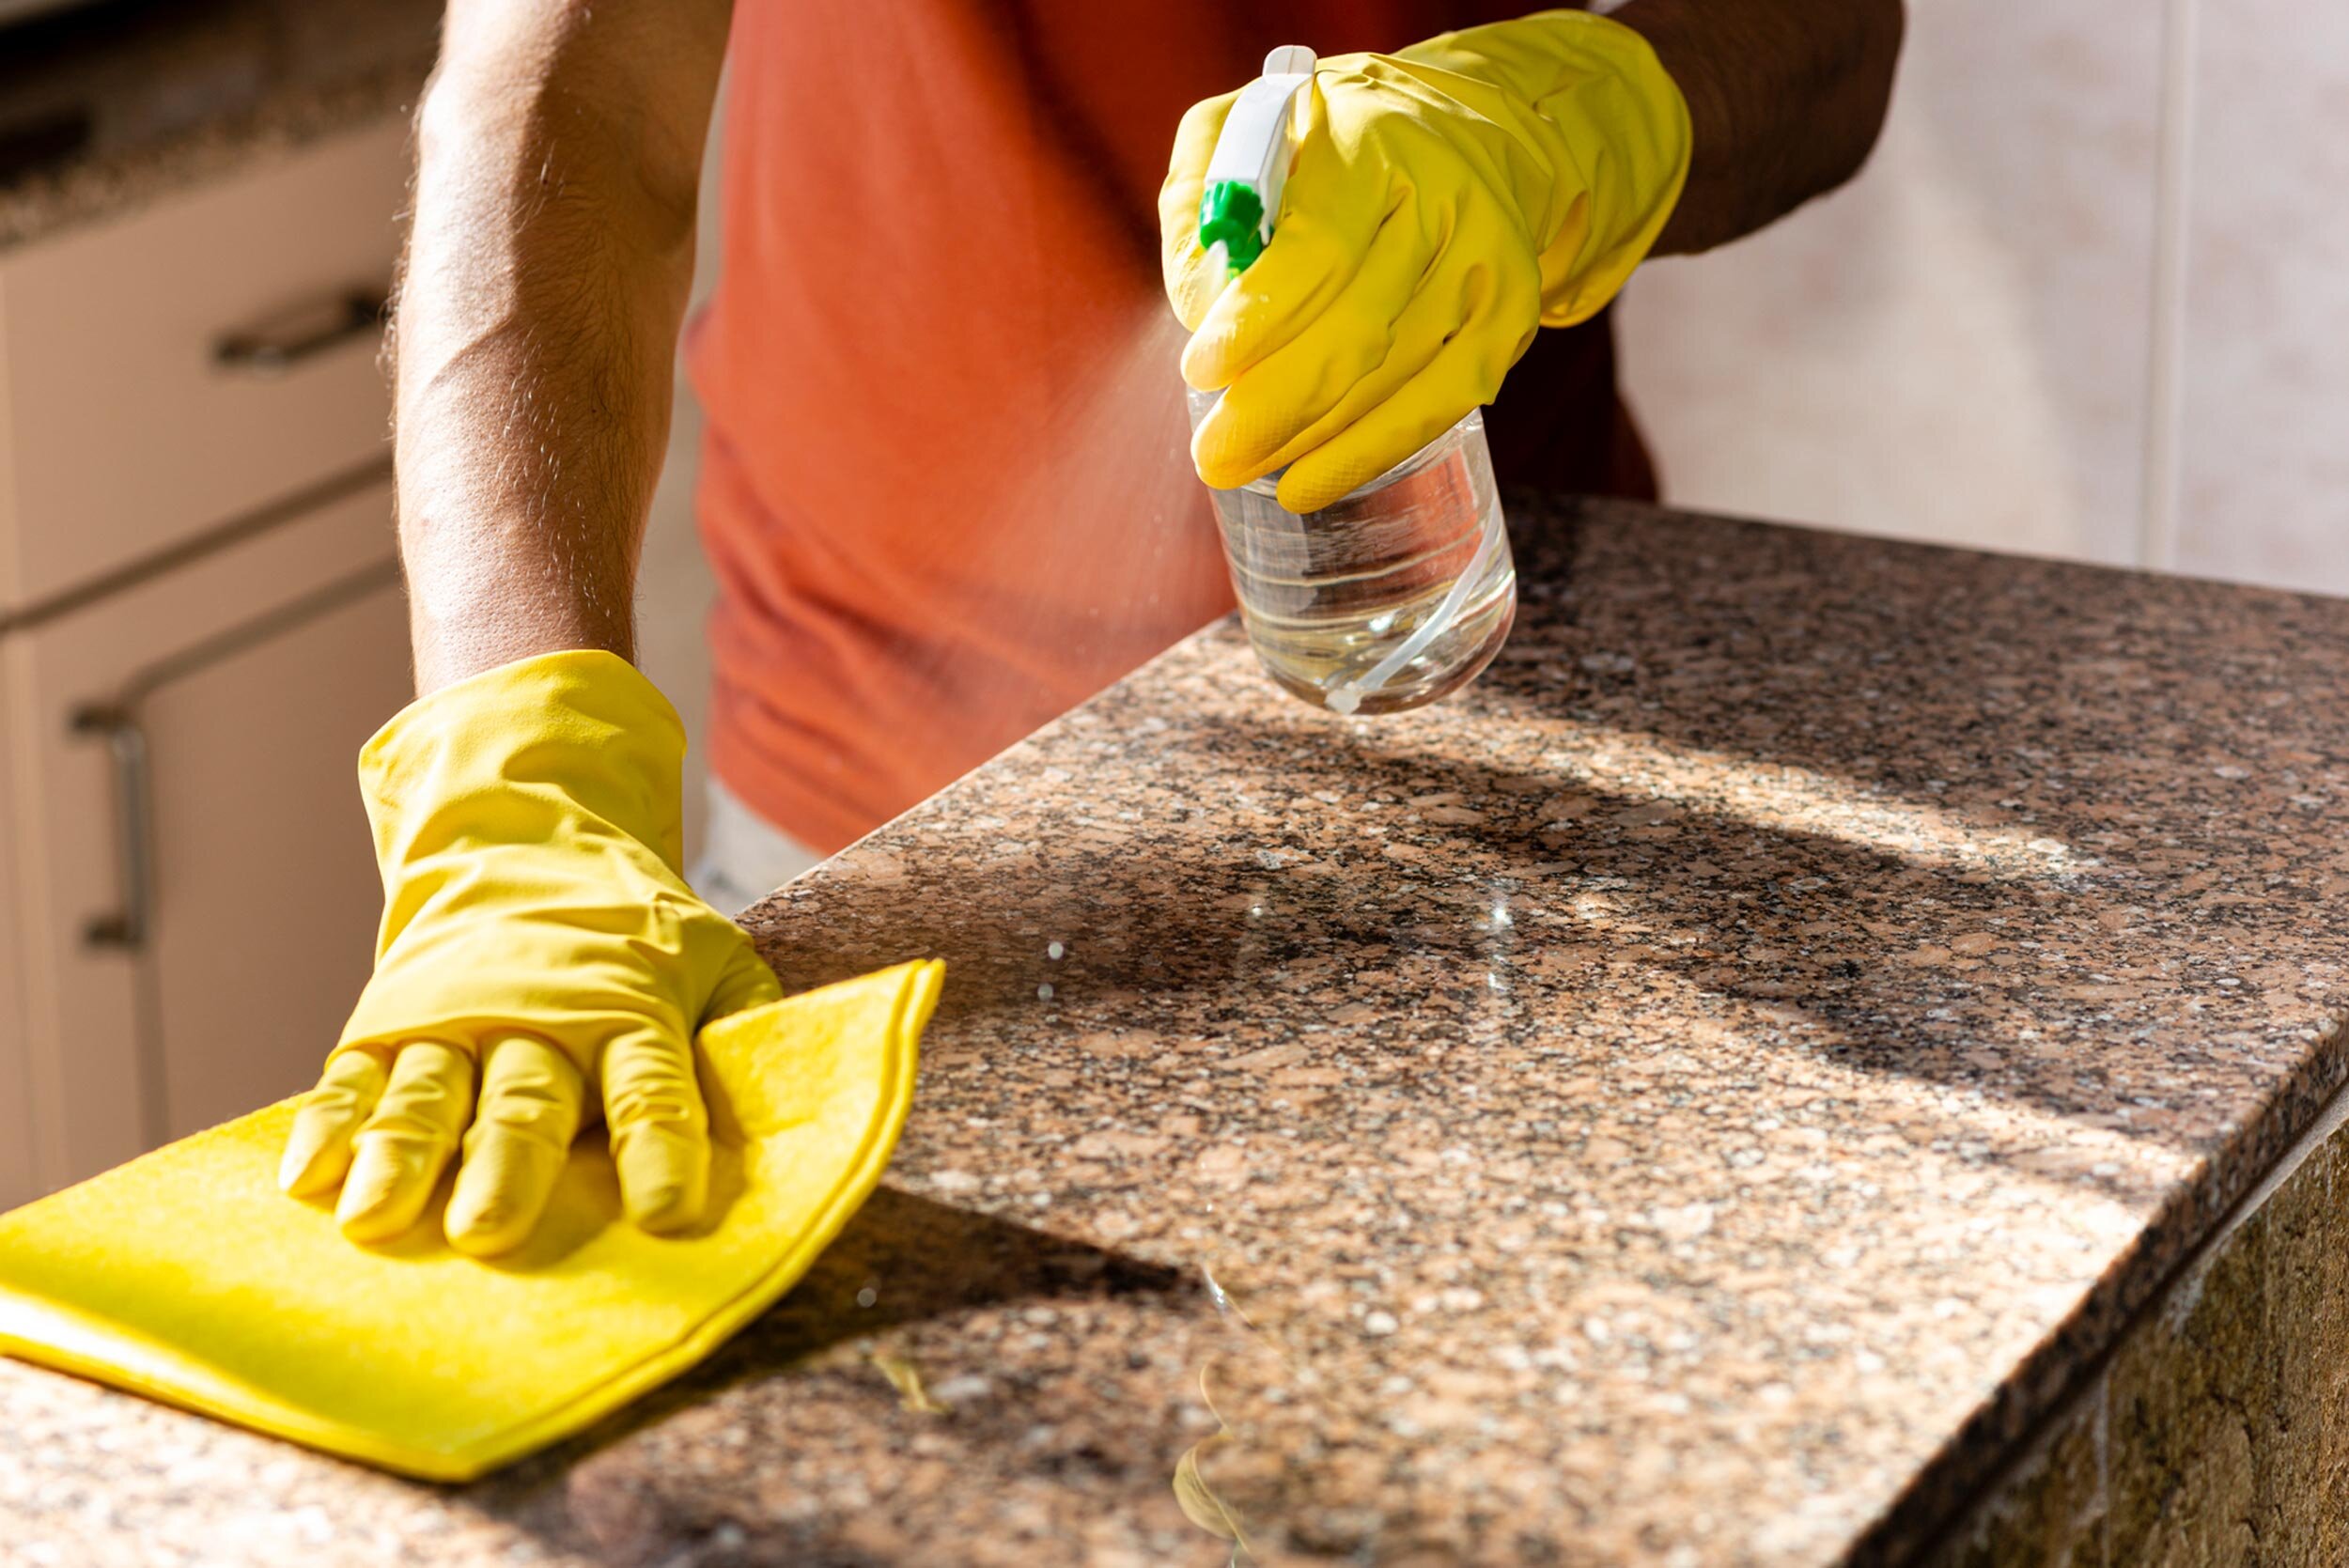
{"points": [[540, 957], [540, 954], [1445, 202]]}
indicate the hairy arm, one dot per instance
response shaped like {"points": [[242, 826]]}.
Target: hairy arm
{"points": [[1786, 97], [559, 150]]}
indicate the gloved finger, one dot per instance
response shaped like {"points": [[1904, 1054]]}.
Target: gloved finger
{"points": [[400, 1153], [1381, 316], [1466, 372], [317, 1148], [1311, 260], [1320, 240], [1420, 335], [521, 1132], [1437, 317], [747, 982], [660, 1130], [1193, 278]]}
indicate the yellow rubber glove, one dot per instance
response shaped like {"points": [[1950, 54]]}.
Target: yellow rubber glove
{"points": [[538, 934], [1443, 203]]}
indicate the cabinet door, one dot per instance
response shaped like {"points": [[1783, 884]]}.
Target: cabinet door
{"points": [[16, 1106], [264, 894], [197, 896]]}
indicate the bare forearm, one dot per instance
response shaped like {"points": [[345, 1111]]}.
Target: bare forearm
{"points": [[1786, 97], [551, 249]]}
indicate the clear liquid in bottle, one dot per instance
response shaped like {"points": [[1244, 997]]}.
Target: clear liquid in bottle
{"points": [[1394, 595]]}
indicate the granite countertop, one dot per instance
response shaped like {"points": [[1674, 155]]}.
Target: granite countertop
{"points": [[107, 108], [1696, 1097]]}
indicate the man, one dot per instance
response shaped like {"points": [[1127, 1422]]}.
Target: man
{"points": [[933, 491]]}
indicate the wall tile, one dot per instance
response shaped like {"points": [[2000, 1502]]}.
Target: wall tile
{"points": [[1955, 346], [2263, 440]]}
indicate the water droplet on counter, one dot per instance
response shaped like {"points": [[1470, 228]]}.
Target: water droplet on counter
{"points": [[1054, 951], [1221, 1297]]}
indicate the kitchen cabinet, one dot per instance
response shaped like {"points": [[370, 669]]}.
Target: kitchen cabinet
{"points": [[200, 622], [16, 1110], [163, 375], [197, 894], [264, 892]]}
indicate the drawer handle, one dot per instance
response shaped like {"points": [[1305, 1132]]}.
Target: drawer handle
{"points": [[278, 346], [126, 928]]}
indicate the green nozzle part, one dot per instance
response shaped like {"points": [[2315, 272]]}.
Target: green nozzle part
{"points": [[1231, 214]]}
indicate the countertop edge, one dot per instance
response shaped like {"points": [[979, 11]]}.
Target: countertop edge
{"points": [[2198, 1217]]}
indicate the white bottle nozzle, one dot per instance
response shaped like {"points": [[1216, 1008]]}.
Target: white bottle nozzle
{"points": [[1252, 155]]}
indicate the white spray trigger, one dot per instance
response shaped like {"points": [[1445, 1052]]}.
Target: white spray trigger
{"points": [[1259, 135]]}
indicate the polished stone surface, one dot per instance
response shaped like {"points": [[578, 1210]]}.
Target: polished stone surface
{"points": [[1702, 1095], [106, 109]]}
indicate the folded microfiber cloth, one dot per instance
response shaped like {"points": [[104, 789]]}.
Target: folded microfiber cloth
{"points": [[187, 1276]]}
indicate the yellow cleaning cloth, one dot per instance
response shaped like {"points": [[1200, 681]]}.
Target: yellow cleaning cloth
{"points": [[187, 1276]]}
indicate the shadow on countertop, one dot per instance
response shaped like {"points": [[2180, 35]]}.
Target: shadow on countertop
{"points": [[904, 1261]]}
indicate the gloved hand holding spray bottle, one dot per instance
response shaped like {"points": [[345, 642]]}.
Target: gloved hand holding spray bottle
{"points": [[1361, 247]]}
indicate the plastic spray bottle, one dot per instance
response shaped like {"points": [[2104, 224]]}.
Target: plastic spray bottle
{"points": [[1401, 591]]}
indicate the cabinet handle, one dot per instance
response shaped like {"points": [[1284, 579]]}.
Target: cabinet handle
{"points": [[116, 722], [276, 348], [127, 927]]}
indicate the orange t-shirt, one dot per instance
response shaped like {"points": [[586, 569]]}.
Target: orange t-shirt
{"points": [[946, 489]]}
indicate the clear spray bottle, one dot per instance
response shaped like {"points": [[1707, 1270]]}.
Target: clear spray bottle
{"points": [[1401, 591]]}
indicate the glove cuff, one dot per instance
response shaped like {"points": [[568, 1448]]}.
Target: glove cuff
{"points": [[578, 741], [1609, 123]]}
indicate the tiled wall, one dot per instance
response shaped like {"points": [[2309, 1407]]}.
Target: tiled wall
{"points": [[2263, 429], [2087, 299]]}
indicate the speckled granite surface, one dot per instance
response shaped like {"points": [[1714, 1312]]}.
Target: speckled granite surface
{"points": [[1697, 1097], [106, 109]]}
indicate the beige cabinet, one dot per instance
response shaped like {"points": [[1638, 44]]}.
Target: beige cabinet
{"points": [[200, 622], [16, 1106], [263, 892], [163, 375], [196, 895]]}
